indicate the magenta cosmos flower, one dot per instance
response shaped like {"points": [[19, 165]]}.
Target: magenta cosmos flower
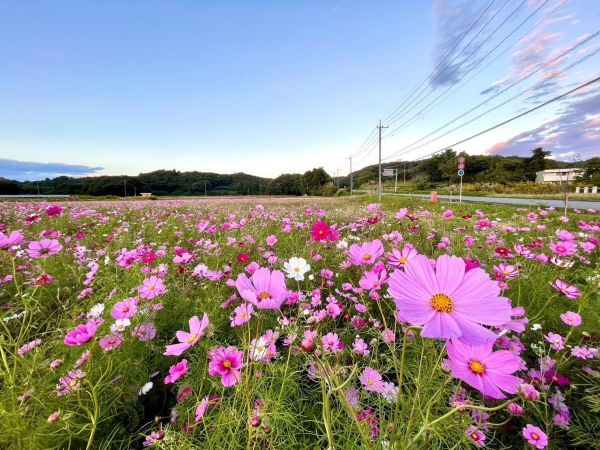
{"points": [[187, 340], [449, 302], [81, 334], [176, 371], [43, 248], [480, 367], [365, 254], [264, 289], [320, 231], [227, 363], [535, 436]]}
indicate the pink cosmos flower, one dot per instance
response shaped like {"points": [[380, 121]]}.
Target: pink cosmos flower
{"points": [[482, 368], [360, 347], [535, 436], [372, 279], [563, 248], [187, 340], [124, 309], [243, 314], [111, 342], [506, 271], [29, 346], [201, 409], [556, 341], [227, 363], [152, 287], [365, 254], [448, 301], [14, 238], [144, 332], [371, 380], [332, 343], [398, 258], [264, 289], [476, 436], [571, 318], [177, 371], [81, 334], [566, 289], [43, 248]]}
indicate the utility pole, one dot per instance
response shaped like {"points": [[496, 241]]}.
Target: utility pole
{"points": [[351, 181], [396, 183], [404, 172], [125, 187], [380, 128]]}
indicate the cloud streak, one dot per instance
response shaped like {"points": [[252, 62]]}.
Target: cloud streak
{"points": [[575, 131], [13, 169]]}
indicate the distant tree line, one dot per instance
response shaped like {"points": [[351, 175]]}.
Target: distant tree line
{"points": [[173, 182], [160, 182], [442, 168]]}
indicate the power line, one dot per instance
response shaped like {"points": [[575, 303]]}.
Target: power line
{"points": [[474, 66], [457, 87], [398, 116], [412, 147], [427, 77], [518, 116]]}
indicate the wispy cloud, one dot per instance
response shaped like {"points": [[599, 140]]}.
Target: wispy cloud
{"points": [[27, 170], [576, 130], [453, 53], [537, 57]]}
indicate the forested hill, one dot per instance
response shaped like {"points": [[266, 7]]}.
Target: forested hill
{"points": [[160, 182], [173, 182]]}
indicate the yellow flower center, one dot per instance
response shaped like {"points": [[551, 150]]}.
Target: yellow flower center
{"points": [[535, 436], [476, 367], [297, 269], [192, 338], [442, 303], [73, 382], [366, 256], [475, 436], [227, 364], [263, 295], [403, 259]]}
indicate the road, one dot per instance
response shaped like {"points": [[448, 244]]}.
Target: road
{"points": [[579, 204]]}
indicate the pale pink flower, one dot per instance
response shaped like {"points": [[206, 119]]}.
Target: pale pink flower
{"points": [[43, 248], [187, 340]]}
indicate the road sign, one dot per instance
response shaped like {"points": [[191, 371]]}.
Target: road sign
{"points": [[461, 159], [461, 166], [388, 172], [461, 173]]}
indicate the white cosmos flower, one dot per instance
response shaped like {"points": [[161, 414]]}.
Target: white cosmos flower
{"points": [[296, 268], [146, 388], [120, 325], [259, 349]]}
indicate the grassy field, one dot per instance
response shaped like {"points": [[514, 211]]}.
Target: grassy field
{"points": [[405, 325]]}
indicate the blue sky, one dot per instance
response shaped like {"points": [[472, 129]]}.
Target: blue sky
{"points": [[268, 87]]}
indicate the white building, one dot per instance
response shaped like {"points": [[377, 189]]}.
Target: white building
{"points": [[557, 175], [146, 194]]}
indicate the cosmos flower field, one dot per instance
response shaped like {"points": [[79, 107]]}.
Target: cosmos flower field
{"points": [[298, 323]]}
